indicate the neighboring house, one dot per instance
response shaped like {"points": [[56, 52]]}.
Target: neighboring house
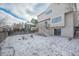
{"points": [[17, 26], [59, 19]]}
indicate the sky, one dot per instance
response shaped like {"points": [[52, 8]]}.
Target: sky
{"points": [[23, 11]]}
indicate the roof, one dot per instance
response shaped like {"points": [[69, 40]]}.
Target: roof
{"points": [[44, 20]]}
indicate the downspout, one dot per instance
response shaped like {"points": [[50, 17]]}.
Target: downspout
{"points": [[75, 17]]}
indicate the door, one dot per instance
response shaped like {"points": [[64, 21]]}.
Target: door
{"points": [[76, 32], [57, 32]]}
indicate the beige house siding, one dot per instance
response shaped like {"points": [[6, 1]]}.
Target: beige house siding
{"points": [[68, 30], [76, 17], [43, 29], [65, 10]]}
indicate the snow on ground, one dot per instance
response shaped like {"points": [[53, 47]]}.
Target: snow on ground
{"points": [[26, 45]]}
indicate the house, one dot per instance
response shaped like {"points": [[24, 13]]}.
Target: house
{"points": [[59, 19]]}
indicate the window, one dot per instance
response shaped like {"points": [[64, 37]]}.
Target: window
{"points": [[56, 20], [57, 32], [47, 23]]}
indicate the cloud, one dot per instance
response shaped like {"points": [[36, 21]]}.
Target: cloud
{"points": [[37, 8], [25, 10]]}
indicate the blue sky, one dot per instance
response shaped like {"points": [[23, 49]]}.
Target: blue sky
{"points": [[24, 11]]}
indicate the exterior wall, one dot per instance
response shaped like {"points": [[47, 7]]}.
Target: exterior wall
{"points": [[76, 14], [58, 10], [61, 9], [76, 17], [68, 30], [43, 30]]}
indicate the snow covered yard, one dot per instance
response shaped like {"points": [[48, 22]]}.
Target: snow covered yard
{"points": [[28, 45]]}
